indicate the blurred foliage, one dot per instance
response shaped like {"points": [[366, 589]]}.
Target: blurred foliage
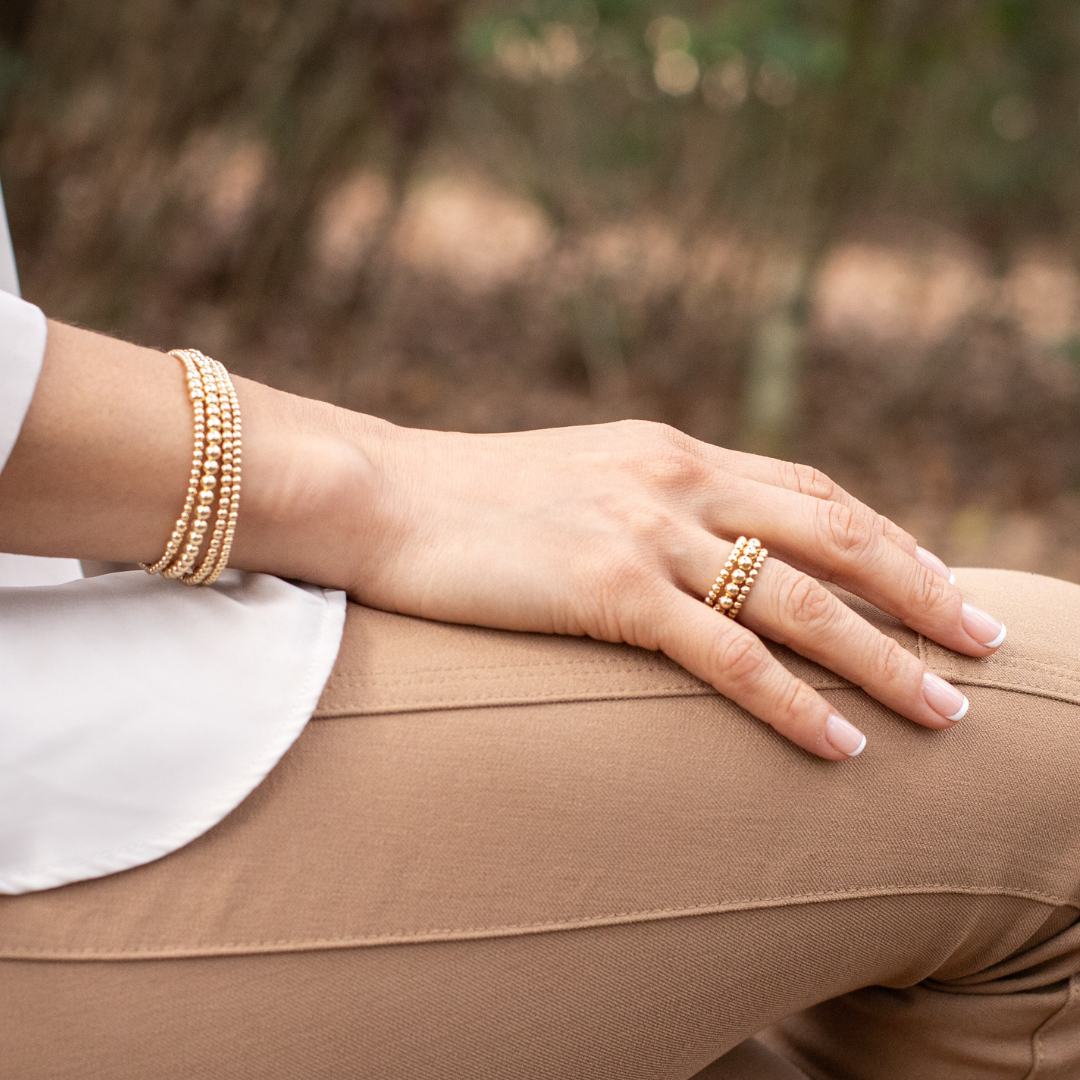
{"points": [[794, 121], [797, 112]]}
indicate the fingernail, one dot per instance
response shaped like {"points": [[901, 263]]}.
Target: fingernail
{"points": [[943, 697], [985, 629], [843, 736], [932, 562]]}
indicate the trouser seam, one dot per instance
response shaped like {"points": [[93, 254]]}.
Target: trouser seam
{"points": [[1037, 1035], [653, 693], [407, 937]]}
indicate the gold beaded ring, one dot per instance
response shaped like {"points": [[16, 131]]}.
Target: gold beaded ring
{"points": [[745, 574], [729, 591], [215, 464], [718, 592]]}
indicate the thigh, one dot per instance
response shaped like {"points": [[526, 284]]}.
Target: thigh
{"points": [[509, 855]]}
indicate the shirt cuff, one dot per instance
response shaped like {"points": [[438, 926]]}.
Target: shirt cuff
{"points": [[22, 350]]}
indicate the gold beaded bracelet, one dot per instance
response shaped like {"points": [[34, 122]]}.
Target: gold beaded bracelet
{"points": [[216, 461]]}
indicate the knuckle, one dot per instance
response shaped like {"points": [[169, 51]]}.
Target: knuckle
{"points": [[806, 602], [929, 591], [652, 434], [740, 657], [807, 480], [618, 578], [901, 537], [893, 658], [882, 525], [667, 457], [843, 531], [796, 700], [637, 429]]}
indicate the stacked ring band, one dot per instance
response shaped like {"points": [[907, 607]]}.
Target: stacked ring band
{"points": [[729, 591]]}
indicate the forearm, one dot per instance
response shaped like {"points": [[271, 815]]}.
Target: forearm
{"points": [[101, 464]]}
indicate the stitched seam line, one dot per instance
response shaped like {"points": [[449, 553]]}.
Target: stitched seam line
{"points": [[619, 693], [148, 952], [520, 673], [1037, 1034], [495, 700], [1018, 663], [651, 663], [924, 648], [1019, 688]]}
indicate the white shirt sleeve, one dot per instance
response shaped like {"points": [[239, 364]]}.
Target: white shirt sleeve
{"points": [[22, 348], [135, 713]]}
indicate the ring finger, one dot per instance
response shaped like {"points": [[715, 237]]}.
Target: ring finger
{"points": [[793, 609]]}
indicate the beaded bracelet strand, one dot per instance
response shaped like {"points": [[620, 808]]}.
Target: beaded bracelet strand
{"points": [[207, 481], [223, 410], [215, 465], [198, 404], [231, 463]]}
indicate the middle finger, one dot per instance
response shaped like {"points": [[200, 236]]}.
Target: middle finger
{"points": [[835, 543], [793, 609]]}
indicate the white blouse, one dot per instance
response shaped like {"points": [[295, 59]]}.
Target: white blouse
{"points": [[135, 713]]}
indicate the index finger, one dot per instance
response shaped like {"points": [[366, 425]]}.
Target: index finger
{"points": [[835, 543], [806, 480]]}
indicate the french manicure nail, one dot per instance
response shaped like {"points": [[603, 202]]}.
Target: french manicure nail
{"points": [[843, 736], [985, 629], [943, 697], [932, 562]]}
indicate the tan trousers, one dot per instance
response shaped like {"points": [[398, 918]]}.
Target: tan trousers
{"points": [[511, 856]]}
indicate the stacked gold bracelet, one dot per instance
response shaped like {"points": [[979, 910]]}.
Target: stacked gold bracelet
{"points": [[731, 588], [215, 475]]}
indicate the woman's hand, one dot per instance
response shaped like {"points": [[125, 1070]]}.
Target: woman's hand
{"points": [[614, 531], [617, 532]]}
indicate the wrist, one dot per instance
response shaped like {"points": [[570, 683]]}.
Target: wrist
{"points": [[309, 483]]}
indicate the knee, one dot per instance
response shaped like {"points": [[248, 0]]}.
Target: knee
{"points": [[1016, 758], [1040, 657]]}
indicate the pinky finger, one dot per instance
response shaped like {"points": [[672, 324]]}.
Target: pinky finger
{"points": [[736, 662]]}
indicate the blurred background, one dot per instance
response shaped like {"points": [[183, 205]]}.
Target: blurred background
{"points": [[842, 231]]}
